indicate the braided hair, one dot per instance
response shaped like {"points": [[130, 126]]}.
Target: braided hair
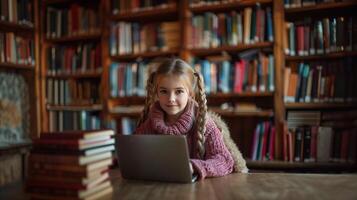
{"points": [[195, 83]]}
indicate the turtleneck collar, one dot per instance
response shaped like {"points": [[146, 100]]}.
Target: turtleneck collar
{"points": [[181, 127]]}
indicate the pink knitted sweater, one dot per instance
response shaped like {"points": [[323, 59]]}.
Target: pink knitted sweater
{"points": [[217, 160]]}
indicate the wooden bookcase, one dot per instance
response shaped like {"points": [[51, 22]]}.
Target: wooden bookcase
{"points": [[242, 124], [73, 30], [20, 60], [331, 104]]}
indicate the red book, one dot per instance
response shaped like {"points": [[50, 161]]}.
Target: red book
{"points": [[272, 143], [265, 140]]}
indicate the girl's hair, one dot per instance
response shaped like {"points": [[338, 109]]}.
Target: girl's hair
{"points": [[175, 66]]}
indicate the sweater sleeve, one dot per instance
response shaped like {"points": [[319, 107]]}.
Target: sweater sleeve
{"points": [[143, 128], [218, 161]]}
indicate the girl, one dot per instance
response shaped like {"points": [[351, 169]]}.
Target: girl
{"points": [[176, 105]]}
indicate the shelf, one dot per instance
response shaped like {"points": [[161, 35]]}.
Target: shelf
{"points": [[333, 55], [319, 106], [282, 165], [16, 66], [225, 113], [88, 74], [229, 49], [226, 6], [15, 27], [160, 13], [91, 107], [243, 94], [128, 57], [76, 38], [320, 7]]}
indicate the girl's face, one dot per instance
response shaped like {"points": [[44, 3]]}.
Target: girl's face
{"points": [[173, 95]]}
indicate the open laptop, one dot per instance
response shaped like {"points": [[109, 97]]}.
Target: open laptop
{"points": [[154, 157]]}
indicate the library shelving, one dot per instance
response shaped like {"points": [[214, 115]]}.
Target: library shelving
{"points": [[19, 88], [319, 88], [267, 99], [71, 65]]}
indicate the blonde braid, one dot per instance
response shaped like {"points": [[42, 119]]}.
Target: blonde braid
{"points": [[201, 117], [150, 93]]}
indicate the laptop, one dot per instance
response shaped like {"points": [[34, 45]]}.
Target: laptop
{"points": [[154, 158]]}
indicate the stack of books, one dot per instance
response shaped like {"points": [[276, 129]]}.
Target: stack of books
{"points": [[71, 165]]}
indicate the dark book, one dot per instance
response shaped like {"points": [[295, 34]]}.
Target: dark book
{"points": [[68, 159], [307, 145]]}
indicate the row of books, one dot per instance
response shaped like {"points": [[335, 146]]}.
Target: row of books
{"points": [[74, 59], [128, 125], [72, 92], [128, 79], [302, 3], [197, 3], [75, 20], [263, 146], [119, 6], [321, 82], [73, 120], [249, 26], [17, 11], [16, 49], [327, 35], [129, 38], [255, 74], [320, 144], [71, 165]]}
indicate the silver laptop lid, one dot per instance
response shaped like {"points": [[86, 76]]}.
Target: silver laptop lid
{"points": [[154, 157]]}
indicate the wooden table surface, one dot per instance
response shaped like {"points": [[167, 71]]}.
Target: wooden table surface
{"points": [[235, 186]]}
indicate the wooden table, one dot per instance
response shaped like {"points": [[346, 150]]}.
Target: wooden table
{"points": [[234, 186]]}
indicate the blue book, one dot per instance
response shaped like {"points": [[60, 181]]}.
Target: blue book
{"points": [[270, 33]]}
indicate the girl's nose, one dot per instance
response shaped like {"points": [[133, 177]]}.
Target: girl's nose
{"points": [[172, 98]]}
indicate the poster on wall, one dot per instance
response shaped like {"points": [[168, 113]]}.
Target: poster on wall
{"points": [[14, 110]]}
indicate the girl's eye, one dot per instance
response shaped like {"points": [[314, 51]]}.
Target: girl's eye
{"points": [[162, 91], [179, 91]]}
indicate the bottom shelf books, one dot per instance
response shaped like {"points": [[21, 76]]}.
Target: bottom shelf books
{"points": [[71, 165]]}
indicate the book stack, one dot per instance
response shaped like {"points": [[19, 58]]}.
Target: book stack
{"points": [[71, 165]]}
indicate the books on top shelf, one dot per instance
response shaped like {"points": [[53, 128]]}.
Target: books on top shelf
{"points": [[135, 38], [73, 173], [20, 11], [251, 25], [320, 36], [72, 21]]}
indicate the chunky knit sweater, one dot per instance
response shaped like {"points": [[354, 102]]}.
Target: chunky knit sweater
{"points": [[217, 160]]}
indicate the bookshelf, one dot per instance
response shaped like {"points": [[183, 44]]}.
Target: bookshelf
{"points": [[19, 96], [319, 65], [132, 53], [71, 65], [182, 12]]}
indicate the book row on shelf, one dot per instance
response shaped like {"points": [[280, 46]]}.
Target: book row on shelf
{"points": [[254, 73], [129, 38], [331, 81], [119, 7], [66, 120], [16, 49], [320, 144], [311, 37], [72, 92], [302, 3], [249, 26], [18, 11], [71, 59], [72, 21], [83, 158]]}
